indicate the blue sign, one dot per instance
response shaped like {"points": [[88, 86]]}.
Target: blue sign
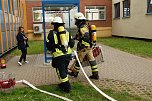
{"points": [[61, 2]]}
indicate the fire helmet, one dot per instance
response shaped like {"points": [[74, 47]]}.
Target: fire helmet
{"points": [[57, 20], [79, 16]]}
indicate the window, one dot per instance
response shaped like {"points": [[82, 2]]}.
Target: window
{"points": [[38, 17], [117, 10], [95, 12], [37, 14], [149, 6], [9, 8], [126, 8], [0, 4], [12, 7]]}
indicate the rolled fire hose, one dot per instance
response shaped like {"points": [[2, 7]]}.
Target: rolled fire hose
{"points": [[55, 95], [105, 95]]}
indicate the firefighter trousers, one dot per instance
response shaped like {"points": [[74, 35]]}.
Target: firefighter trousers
{"points": [[61, 63], [81, 54]]}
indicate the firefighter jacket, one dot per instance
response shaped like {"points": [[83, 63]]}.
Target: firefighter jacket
{"points": [[54, 44], [83, 36]]}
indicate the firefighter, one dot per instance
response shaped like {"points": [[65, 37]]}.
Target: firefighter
{"points": [[60, 44], [84, 47]]}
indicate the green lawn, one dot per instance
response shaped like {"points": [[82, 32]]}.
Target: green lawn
{"points": [[137, 47], [36, 47], [79, 92]]}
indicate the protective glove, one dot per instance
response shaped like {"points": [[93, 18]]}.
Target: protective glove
{"points": [[93, 44]]}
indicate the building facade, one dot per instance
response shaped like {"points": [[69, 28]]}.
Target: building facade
{"points": [[12, 15], [132, 18], [128, 18], [28, 13], [98, 13], [32, 5]]}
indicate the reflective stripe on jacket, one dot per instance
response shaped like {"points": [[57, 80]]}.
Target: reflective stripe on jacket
{"points": [[84, 36]]}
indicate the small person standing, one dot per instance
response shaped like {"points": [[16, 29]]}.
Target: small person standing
{"points": [[22, 45]]}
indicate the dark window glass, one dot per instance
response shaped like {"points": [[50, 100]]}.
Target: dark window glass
{"points": [[117, 10]]}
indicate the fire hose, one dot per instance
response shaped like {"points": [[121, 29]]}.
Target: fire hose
{"points": [[35, 88], [105, 95], [9, 82]]}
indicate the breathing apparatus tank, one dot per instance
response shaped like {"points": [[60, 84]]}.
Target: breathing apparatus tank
{"points": [[93, 33], [63, 38]]}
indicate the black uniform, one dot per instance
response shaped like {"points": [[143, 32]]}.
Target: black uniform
{"points": [[22, 45]]}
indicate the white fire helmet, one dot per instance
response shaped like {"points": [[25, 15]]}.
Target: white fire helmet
{"points": [[79, 16], [57, 20]]}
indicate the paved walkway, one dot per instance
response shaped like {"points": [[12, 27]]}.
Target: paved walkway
{"points": [[119, 69]]}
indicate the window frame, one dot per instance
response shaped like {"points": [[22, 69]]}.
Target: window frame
{"points": [[41, 19], [126, 12], [117, 10], [41, 16], [95, 8], [9, 6], [149, 3]]}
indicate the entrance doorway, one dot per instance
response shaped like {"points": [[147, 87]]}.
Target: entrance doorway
{"points": [[62, 8]]}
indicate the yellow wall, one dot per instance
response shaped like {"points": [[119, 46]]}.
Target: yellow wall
{"points": [[101, 32], [137, 25], [33, 36], [104, 31]]}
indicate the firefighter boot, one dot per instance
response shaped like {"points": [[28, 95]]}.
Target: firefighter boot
{"points": [[65, 86], [75, 74], [94, 76]]}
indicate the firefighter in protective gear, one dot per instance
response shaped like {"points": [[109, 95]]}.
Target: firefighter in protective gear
{"points": [[60, 44], [84, 47]]}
